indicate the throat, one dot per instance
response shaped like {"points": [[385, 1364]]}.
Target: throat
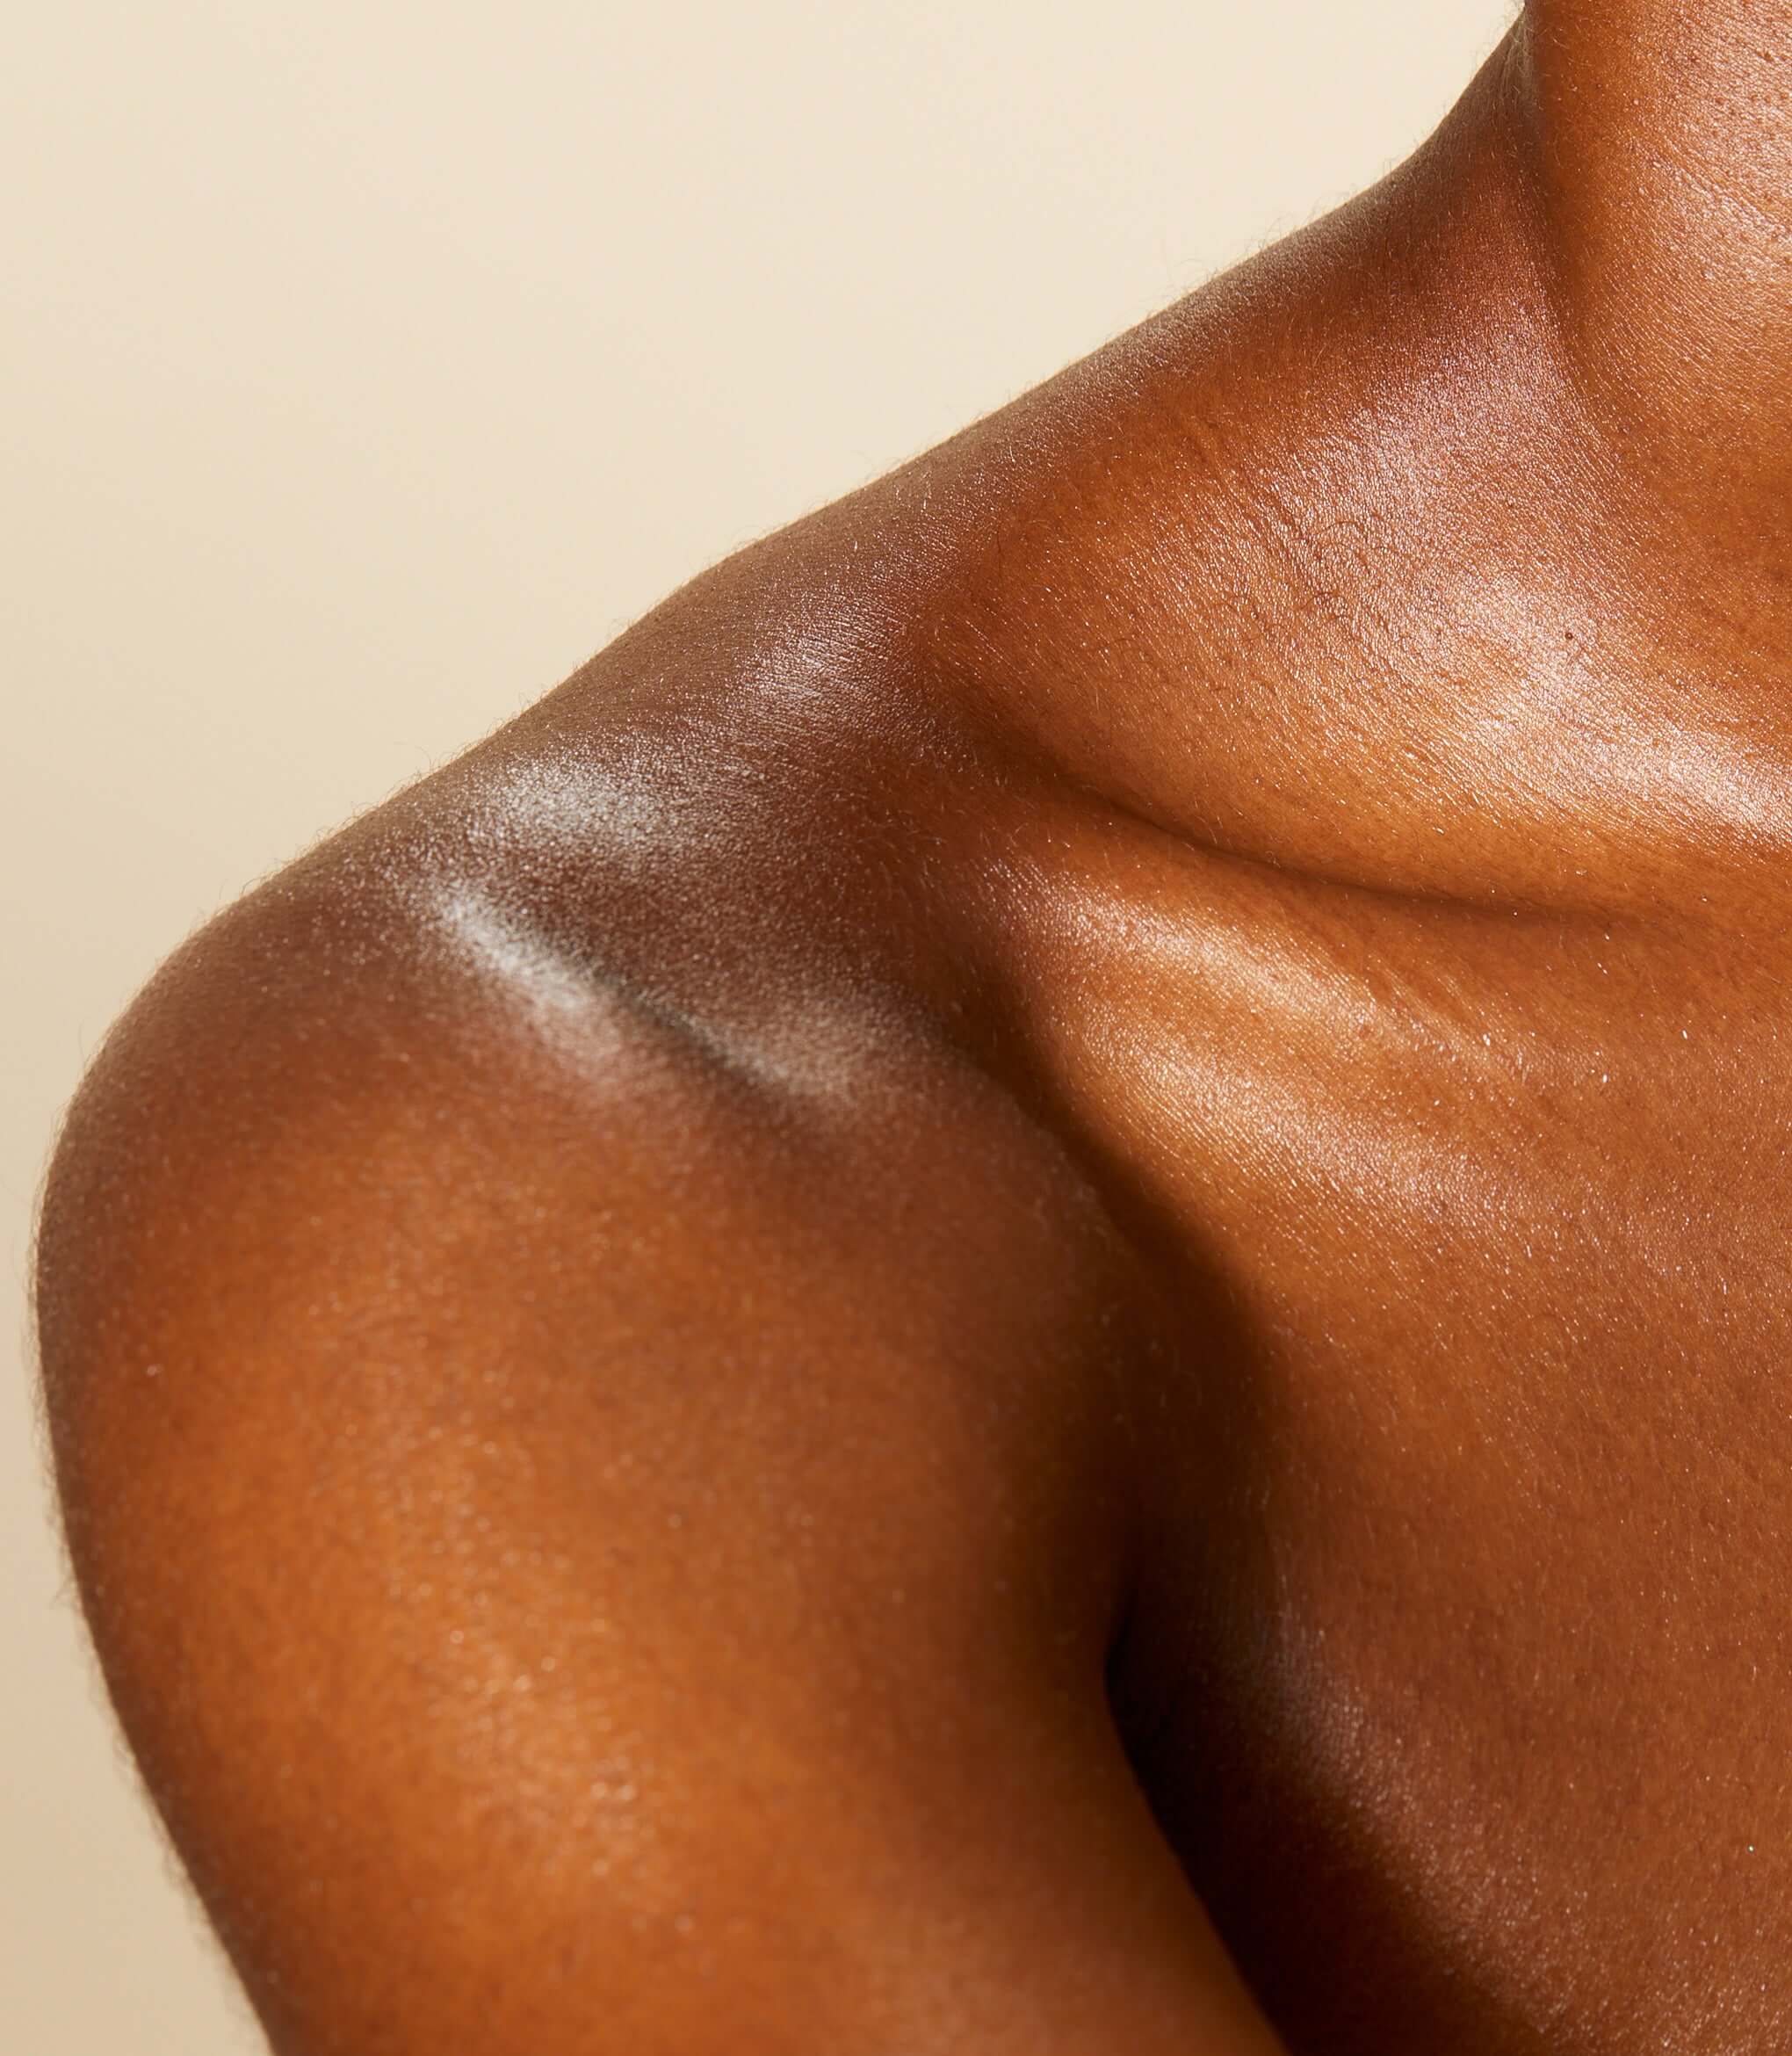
{"points": [[1659, 140], [1333, 567]]}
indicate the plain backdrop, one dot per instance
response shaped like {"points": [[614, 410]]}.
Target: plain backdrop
{"points": [[365, 367]]}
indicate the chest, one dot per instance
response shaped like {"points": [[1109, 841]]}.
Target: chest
{"points": [[1462, 1676]]}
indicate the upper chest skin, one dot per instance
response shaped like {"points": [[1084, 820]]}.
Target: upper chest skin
{"points": [[1467, 1623], [1443, 1060]]}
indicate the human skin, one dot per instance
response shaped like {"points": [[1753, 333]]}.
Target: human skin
{"points": [[1024, 1290]]}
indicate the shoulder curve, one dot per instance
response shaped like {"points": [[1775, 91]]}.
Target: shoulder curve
{"points": [[384, 1322]]}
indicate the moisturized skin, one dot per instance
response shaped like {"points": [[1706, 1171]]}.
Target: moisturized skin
{"points": [[1026, 1290]]}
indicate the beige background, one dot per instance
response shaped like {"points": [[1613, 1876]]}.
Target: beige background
{"points": [[366, 366]]}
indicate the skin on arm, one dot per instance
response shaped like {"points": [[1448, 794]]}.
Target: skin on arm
{"points": [[599, 1539]]}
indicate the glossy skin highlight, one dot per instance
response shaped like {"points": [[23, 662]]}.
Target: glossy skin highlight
{"points": [[1026, 1289]]}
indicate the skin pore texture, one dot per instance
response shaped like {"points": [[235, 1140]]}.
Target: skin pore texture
{"points": [[1025, 1290]]}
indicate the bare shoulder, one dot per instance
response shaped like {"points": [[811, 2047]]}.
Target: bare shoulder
{"points": [[590, 1422]]}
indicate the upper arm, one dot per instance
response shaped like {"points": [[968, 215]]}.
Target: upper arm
{"points": [[598, 1546]]}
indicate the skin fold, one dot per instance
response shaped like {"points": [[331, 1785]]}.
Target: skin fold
{"points": [[1025, 1289]]}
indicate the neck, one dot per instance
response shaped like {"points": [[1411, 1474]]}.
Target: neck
{"points": [[1657, 137], [1364, 561]]}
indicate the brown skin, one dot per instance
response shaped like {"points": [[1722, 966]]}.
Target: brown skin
{"points": [[1052, 1232]]}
